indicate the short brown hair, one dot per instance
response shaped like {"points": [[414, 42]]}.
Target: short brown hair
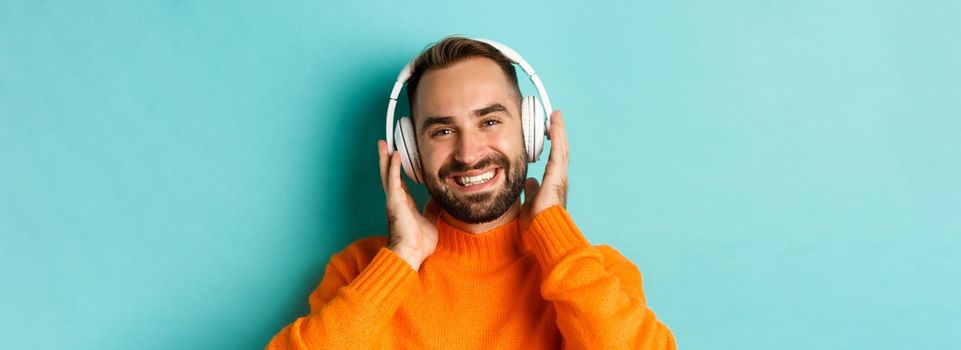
{"points": [[451, 50]]}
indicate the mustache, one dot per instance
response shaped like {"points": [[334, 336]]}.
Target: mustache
{"points": [[456, 166]]}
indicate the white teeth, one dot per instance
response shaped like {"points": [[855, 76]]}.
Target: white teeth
{"points": [[473, 180]]}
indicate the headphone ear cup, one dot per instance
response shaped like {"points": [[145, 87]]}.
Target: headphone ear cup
{"points": [[532, 116], [407, 146]]}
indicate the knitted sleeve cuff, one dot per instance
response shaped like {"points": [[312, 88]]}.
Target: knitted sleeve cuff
{"points": [[386, 281], [552, 235]]}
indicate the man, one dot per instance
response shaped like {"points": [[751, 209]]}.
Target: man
{"points": [[478, 269]]}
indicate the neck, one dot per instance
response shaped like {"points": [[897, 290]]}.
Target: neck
{"points": [[505, 218]]}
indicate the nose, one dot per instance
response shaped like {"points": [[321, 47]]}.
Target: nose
{"points": [[470, 147]]}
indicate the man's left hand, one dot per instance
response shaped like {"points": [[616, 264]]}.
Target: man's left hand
{"points": [[554, 185]]}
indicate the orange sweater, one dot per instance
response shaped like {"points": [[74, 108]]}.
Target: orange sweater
{"points": [[546, 288]]}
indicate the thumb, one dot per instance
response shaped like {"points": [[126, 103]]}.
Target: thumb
{"points": [[530, 189]]}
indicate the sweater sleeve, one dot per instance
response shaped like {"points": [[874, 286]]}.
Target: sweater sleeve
{"points": [[351, 307], [597, 292]]}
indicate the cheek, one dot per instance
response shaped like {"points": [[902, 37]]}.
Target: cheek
{"points": [[509, 143], [432, 158]]}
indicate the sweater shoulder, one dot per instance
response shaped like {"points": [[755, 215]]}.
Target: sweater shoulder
{"points": [[610, 255], [344, 267], [622, 267], [359, 254]]}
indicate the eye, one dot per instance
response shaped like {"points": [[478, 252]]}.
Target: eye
{"points": [[491, 122], [441, 132]]}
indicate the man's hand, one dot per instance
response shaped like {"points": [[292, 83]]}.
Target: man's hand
{"points": [[413, 236], [555, 176]]}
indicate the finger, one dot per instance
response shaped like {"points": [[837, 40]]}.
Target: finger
{"points": [[394, 182], [530, 189], [556, 167], [384, 160], [559, 146], [403, 186]]}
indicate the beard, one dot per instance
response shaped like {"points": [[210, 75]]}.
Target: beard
{"points": [[480, 207]]}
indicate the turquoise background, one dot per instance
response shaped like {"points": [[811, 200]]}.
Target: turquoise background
{"points": [[176, 174]]}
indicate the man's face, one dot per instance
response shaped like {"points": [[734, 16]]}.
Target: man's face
{"points": [[469, 137]]}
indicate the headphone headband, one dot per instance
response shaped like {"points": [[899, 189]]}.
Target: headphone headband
{"points": [[516, 58]]}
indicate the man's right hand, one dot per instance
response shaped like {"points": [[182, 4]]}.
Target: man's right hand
{"points": [[413, 236]]}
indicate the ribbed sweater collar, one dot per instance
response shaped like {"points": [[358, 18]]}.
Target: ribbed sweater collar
{"points": [[487, 249]]}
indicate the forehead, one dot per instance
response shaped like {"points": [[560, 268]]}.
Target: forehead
{"points": [[463, 87]]}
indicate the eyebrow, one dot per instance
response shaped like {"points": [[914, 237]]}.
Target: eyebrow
{"points": [[497, 107], [448, 120]]}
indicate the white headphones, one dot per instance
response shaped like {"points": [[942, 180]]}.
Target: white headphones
{"points": [[535, 124]]}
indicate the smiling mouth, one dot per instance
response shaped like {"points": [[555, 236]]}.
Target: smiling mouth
{"points": [[468, 181]]}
